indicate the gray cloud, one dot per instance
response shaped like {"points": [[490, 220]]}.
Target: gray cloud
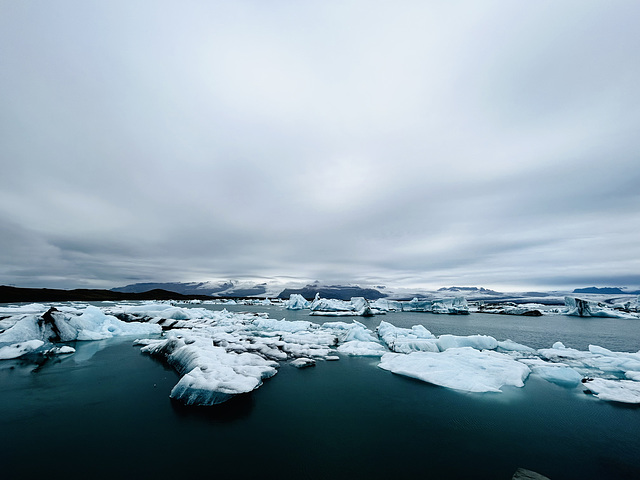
{"points": [[423, 143]]}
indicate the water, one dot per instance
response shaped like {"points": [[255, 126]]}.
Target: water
{"points": [[105, 412]]}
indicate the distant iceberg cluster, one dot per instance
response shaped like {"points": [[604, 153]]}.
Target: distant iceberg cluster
{"points": [[360, 306], [220, 354]]}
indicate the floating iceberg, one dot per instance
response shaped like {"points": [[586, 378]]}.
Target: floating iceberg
{"points": [[588, 308], [56, 326], [405, 340], [297, 302], [507, 308], [464, 368], [451, 306], [210, 374], [338, 308]]}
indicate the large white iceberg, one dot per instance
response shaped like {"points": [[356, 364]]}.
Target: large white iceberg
{"points": [[464, 368], [55, 326], [330, 307]]}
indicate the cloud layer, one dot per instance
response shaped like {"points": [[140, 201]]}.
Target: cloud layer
{"points": [[421, 143]]}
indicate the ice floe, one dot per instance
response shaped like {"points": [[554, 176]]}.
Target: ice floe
{"points": [[623, 391], [460, 368]]}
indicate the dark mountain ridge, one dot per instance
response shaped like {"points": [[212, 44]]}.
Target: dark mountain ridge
{"points": [[17, 294]]}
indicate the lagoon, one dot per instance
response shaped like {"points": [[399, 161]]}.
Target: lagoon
{"points": [[105, 411]]}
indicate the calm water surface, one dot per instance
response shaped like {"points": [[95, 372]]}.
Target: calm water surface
{"points": [[104, 412]]}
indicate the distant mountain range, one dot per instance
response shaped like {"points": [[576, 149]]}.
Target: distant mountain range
{"points": [[235, 289], [16, 294], [216, 289], [606, 291], [467, 290]]}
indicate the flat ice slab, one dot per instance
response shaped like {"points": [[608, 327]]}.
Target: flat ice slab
{"points": [[462, 368], [623, 391]]}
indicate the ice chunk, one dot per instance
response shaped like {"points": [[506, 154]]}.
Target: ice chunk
{"points": [[463, 368], [558, 374], [362, 349], [587, 308], [451, 306], [479, 342], [303, 362], [63, 350], [297, 302], [211, 374], [56, 326], [511, 346], [19, 349], [416, 305], [624, 391], [385, 305], [346, 332], [405, 340], [272, 325]]}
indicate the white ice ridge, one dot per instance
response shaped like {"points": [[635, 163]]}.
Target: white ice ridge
{"points": [[220, 354]]}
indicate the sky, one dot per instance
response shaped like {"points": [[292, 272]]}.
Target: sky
{"points": [[410, 143]]}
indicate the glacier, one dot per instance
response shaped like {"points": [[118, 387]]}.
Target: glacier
{"points": [[222, 354]]}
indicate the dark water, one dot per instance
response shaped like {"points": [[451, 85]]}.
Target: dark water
{"points": [[106, 413]]}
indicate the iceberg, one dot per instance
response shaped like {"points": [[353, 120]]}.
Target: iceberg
{"points": [[210, 374], [451, 306], [55, 326], [587, 308], [357, 306], [297, 302], [405, 340], [385, 305], [464, 368], [416, 305]]}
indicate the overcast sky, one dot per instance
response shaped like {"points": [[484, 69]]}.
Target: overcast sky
{"points": [[427, 143]]}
